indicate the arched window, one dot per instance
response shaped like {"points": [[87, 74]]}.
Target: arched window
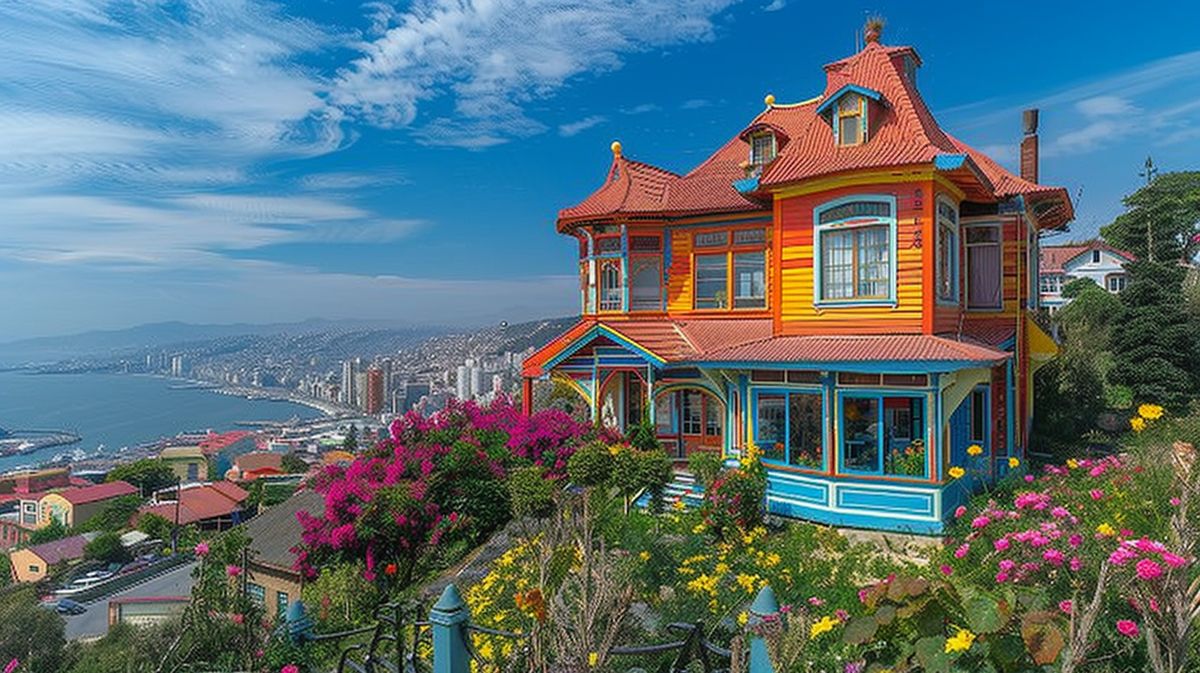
{"points": [[610, 285], [855, 246]]}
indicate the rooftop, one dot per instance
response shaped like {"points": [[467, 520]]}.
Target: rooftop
{"points": [[105, 491]]}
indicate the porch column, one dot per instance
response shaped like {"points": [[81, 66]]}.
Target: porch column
{"points": [[527, 396], [651, 416]]}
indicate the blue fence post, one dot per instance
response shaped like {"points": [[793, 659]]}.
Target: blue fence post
{"points": [[447, 621], [765, 605]]}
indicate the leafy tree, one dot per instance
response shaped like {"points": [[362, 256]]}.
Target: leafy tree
{"points": [[157, 527], [48, 533], [293, 464], [1162, 219], [1156, 350], [148, 474], [30, 633], [1070, 390], [107, 547], [125, 649], [115, 516], [1092, 309], [350, 442]]}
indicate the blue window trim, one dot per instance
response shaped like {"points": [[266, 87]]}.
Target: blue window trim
{"points": [[829, 103], [879, 394], [818, 270], [808, 389], [955, 252]]}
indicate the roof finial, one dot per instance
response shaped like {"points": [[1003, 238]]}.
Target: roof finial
{"points": [[873, 28], [770, 100], [616, 148]]}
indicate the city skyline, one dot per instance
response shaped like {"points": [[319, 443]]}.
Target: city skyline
{"points": [[241, 161]]}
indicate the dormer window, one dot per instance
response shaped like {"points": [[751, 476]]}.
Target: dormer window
{"points": [[762, 148], [851, 116]]}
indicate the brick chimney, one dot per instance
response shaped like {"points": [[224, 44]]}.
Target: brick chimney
{"points": [[1029, 146]]}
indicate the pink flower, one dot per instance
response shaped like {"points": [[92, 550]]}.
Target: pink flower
{"points": [[290, 668], [1128, 628], [237, 618], [202, 549], [233, 571], [959, 511], [1075, 540], [259, 653], [1097, 494], [12, 665], [947, 570], [815, 602], [1006, 565], [1059, 513], [841, 615], [1001, 544], [962, 551], [1154, 606], [1029, 478], [1121, 556], [1173, 560], [1065, 606], [1075, 564], [1001, 577], [1148, 570], [1174, 502], [980, 522], [1053, 556], [862, 595]]}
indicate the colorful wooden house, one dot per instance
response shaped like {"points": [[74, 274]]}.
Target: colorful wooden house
{"points": [[842, 283]]}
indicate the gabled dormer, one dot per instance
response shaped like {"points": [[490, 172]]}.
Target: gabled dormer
{"points": [[849, 111]]}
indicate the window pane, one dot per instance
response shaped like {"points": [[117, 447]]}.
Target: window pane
{"points": [[860, 434], [692, 410], [984, 276], [804, 431], [947, 248], [903, 423], [749, 236], [711, 291], [771, 434], [610, 287], [855, 209], [645, 284], [608, 245], [712, 239], [873, 252], [762, 148], [645, 244], [983, 235], [749, 280], [712, 420], [978, 416], [848, 130], [804, 377], [837, 265]]}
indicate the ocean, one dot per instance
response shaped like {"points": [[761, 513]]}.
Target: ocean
{"points": [[117, 410]]}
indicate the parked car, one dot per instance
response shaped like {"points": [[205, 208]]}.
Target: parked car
{"points": [[66, 606], [79, 585]]}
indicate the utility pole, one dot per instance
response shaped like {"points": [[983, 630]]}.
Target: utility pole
{"points": [[1150, 172]]}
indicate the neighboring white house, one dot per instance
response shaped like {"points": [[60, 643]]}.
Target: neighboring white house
{"points": [[1060, 264]]}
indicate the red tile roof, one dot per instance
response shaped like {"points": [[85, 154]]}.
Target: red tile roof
{"points": [[904, 133], [106, 491], [66, 549], [1054, 258], [852, 348], [215, 443], [198, 503]]}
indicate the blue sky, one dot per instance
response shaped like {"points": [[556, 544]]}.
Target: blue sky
{"points": [[233, 160]]}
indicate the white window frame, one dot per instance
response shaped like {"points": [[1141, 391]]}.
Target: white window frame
{"points": [[1108, 282], [819, 230], [954, 265]]}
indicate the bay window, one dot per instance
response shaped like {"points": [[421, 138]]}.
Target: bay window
{"points": [[947, 251], [855, 244], [985, 269], [789, 428], [883, 434]]}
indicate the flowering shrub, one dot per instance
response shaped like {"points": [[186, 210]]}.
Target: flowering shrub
{"points": [[436, 484], [734, 502]]}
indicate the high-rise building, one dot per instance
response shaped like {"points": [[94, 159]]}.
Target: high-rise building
{"points": [[375, 391], [360, 389], [385, 368], [462, 388], [348, 372], [476, 382]]}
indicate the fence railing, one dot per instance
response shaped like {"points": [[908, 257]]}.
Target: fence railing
{"points": [[401, 642]]}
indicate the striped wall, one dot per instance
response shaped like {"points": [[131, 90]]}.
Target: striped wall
{"points": [[917, 509], [795, 293]]}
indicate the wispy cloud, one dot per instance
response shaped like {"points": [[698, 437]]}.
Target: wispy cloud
{"points": [[641, 109], [775, 6], [577, 127], [695, 104], [489, 59]]}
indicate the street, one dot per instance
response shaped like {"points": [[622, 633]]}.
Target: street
{"points": [[94, 622]]}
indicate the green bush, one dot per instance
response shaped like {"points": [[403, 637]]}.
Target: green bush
{"points": [[531, 493], [705, 466], [107, 547], [591, 465]]}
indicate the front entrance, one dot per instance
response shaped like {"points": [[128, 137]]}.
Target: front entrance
{"points": [[689, 420]]}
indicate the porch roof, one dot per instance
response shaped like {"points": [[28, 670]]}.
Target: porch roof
{"points": [[902, 352]]}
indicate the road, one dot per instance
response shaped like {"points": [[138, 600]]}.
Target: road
{"points": [[94, 622]]}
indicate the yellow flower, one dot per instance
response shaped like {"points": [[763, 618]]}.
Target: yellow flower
{"points": [[747, 582], [1072, 463], [593, 659], [974, 450], [1014, 463], [961, 642], [721, 568], [824, 626], [772, 560], [645, 556], [957, 472], [698, 528], [1137, 423], [614, 449], [678, 504], [1106, 530], [743, 618], [1150, 412]]}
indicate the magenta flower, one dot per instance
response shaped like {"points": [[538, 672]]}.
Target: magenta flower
{"points": [[1053, 556], [1148, 570], [1065, 606], [290, 668], [1002, 544], [947, 570], [233, 571], [815, 602], [1029, 478], [841, 615], [1075, 564], [1174, 560], [980, 522], [202, 549], [1001, 577], [12, 665], [1006, 565], [1128, 628], [1175, 502], [1097, 494], [237, 618], [959, 511], [962, 551], [1075, 540]]}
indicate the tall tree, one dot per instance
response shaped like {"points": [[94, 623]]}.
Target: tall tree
{"points": [[1092, 309], [148, 474], [1162, 220]]}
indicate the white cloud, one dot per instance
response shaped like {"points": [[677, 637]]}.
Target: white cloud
{"points": [[1105, 106], [489, 58], [775, 6], [695, 104], [577, 127], [641, 109]]}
